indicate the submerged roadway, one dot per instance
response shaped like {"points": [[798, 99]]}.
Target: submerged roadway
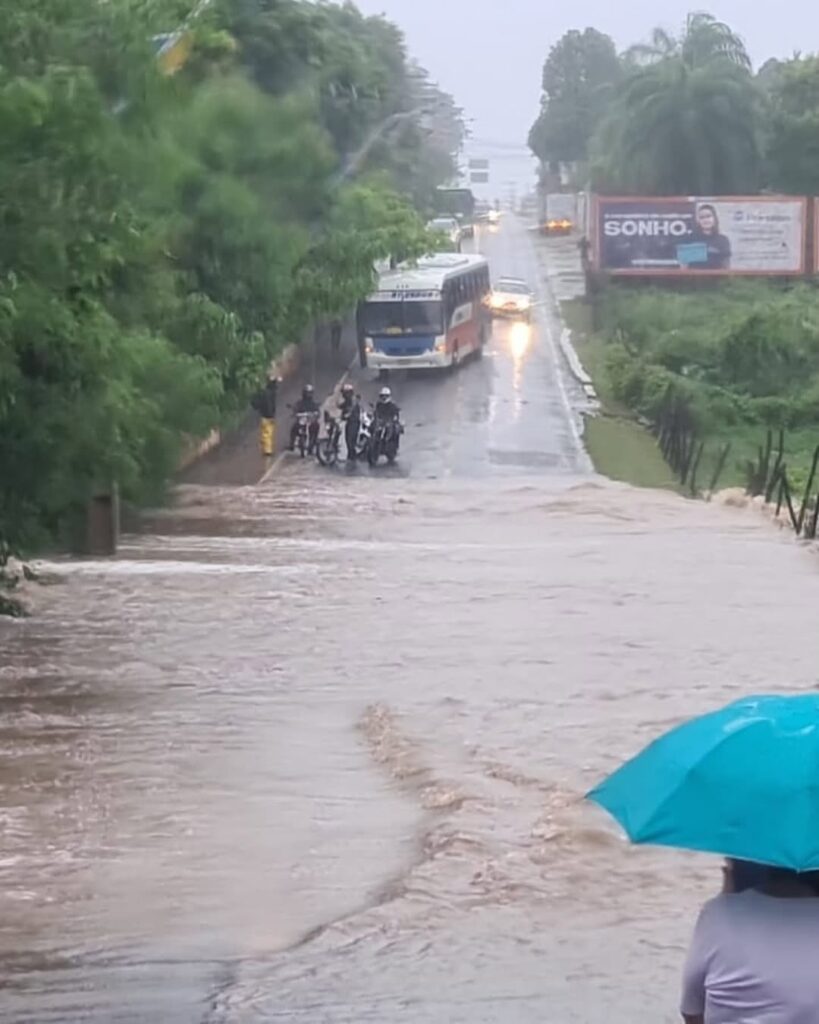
{"points": [[315, 750]]}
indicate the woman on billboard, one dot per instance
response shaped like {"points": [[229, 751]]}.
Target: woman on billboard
{"points": [[714, 248]]}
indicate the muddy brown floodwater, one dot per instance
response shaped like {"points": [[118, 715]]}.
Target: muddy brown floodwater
{"points": [[315, 751]]}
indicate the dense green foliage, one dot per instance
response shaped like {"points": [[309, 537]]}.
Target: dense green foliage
{"points": [[162, 238], [680, 115], [744, 357], [793, 149], [748, 352]]}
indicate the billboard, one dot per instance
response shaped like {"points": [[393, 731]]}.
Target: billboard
{"points": [[736, 235]]}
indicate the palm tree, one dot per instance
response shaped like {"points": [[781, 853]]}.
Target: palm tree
{"points": [[686, 120], [703, 40]]}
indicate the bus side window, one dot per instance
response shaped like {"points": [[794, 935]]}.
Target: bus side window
{"points": [[449, 302]]}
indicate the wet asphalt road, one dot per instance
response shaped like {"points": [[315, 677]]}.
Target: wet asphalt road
{"points": [[314, 751], [518, 409]]}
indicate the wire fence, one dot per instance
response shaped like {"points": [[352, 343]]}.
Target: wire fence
{"points": [[768, 476], [683, 449], [686, 452]]}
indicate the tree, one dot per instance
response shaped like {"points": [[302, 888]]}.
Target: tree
{"points": [[86, 395], [578, 77], [793, 137], [369, 223], [164, 237], [356, 69], [704, 40], [687, 121]]}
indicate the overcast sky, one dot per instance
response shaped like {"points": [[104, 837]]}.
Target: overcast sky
{"points": [[489, 53]]}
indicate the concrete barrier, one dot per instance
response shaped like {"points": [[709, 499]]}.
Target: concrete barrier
{"points": [[572, 358], [195, 449]]}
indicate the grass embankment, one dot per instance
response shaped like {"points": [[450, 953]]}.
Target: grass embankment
{"points": [[620, 447], [743, 357]]}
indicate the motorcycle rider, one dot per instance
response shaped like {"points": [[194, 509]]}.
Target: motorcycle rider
{"points": [[386, 427], [306, 404], [385, 407], [350, 411]]}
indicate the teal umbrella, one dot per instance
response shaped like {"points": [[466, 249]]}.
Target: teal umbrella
{"points": [[742, 782]]}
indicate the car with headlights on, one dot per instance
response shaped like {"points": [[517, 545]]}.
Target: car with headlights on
{"points": [[449, 229], [511, 296]]}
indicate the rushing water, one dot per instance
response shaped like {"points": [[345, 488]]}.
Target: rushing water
{"points": [[316, 752]]}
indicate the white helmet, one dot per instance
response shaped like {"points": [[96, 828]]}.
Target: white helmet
{"points": [[384, 395]]}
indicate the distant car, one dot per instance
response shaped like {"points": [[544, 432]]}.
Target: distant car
{"points": [[466, 226], [485, 213], [449, 228], [511, 296]]}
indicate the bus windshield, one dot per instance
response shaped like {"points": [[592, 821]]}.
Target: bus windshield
{"points": [[404, 317]]}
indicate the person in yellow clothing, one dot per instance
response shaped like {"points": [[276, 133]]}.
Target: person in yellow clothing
{"points": [[264, 402]]}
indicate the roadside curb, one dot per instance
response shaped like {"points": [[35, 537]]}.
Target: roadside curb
{"points": [[565, 336], [572, 358]]}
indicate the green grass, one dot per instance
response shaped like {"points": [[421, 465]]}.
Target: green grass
{"points": [[745, 443], [623, 450], [618, 445], [618, 442]]}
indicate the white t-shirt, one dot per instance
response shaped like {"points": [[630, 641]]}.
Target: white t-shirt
{"points": [[754, 959]]}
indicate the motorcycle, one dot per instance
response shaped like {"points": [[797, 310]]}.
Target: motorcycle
{"points": [[328, 447], [385, 440], [365, 433], [306, 432]]}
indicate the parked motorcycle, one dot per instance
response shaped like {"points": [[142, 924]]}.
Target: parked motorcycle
{"points": [[329, 446], [385, 440], [365, 433], [306, 432]]}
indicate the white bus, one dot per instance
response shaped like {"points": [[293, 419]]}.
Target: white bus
{"points": [[430, 315]]}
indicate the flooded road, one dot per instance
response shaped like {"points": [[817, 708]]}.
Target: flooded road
{"points": [[314, 751]]}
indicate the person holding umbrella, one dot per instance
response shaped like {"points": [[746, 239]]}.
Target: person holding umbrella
{"points": [[743, 782], [753, 956]]}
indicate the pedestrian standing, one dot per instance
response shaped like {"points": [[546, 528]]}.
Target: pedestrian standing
{"points": [[264, 402], [754, 953]]}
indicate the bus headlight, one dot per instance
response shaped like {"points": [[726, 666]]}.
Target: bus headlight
{"points": [[440, 346]]}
